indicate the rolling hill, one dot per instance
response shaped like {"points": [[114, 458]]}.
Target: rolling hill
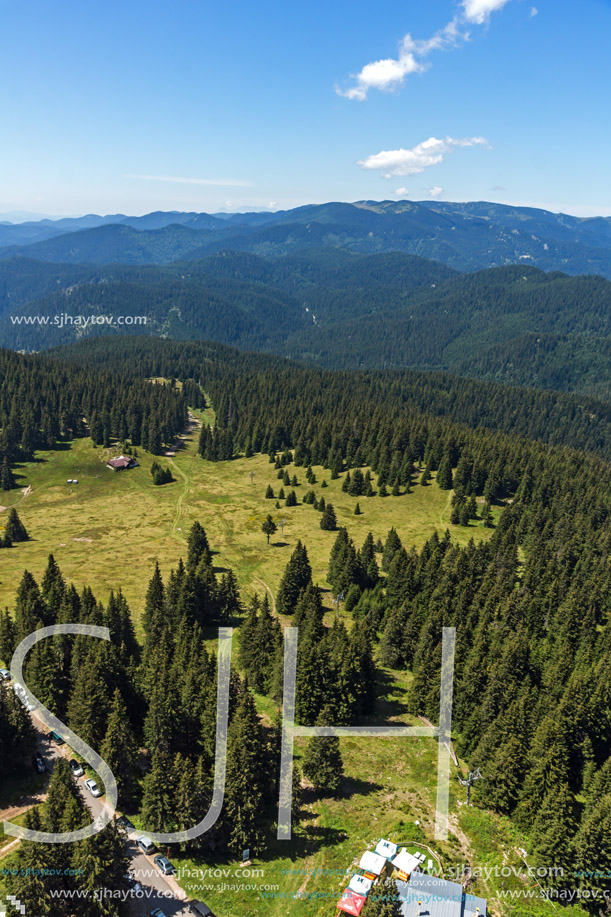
{"points": [[467, 237]]}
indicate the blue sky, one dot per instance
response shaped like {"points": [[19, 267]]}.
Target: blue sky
{"points": [[278, 104]]}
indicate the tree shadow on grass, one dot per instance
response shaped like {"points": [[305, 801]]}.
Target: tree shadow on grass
{"points": [[391, 702], [305, 841], [352, 786], [279, 544]]}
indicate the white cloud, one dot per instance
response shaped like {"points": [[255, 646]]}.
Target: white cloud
{"points": [[533, 12], [402, 192], [411, 162], [389, 73], [479, 11], [176, 179], [435, 193]]}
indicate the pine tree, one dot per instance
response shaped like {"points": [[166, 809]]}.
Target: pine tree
{"points": [[592, 846], [269, 493], [444, 475], [100, 862], [269, 527], [322, 761], [7, 479], [554, 825], [328, 521], [357, 510], [29, 881], [15, 528], [247, 783], [297, 576], [385, 901], [120, 750], [158, 796], [291, 499], [391, 546], [8, 636], [198, 547]]}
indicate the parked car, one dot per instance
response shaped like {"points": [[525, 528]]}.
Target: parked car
{"points": [[5, 675], [93, 787], [56, 738], [20, 692], [198, 907], [145, 843], [77, 769], [39, 763], [164, 865], [133, 882], [125, 822]]}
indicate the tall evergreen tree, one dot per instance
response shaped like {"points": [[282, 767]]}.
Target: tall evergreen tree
{"points": [[120, 750], [297, 576], [322, 761]]}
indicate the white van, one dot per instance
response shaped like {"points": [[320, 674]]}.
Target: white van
{"points": [[145, 843]]}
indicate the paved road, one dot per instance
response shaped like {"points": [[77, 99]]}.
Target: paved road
{"points": [[159, 891]]}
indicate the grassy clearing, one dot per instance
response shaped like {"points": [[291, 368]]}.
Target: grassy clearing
{"points": [[108, 530], [390, 784]]}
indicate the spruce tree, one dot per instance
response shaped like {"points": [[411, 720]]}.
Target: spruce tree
{"points": [[322, 761], [444, 475], [391, 546], [15, 528], [297, 576], [247, 782], [8, 636], [328, 521], [120, 750], [158, 796], [7, 479], [28, 879]]}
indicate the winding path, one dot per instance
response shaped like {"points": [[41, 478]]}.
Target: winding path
{"points": [[271, 594]]}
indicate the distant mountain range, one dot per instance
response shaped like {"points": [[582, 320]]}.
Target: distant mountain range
{"points": [[335, 308], [467, 237]]}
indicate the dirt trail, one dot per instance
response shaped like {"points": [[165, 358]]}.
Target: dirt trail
{"points": [[271, 594], [184, 440], [452, 752]]}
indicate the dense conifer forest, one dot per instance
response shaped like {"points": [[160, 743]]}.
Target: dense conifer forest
{"points": [[334, 308], [531, 606], [42, 402], [259, 395]]}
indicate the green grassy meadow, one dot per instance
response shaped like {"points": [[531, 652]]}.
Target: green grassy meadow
{"points": [[108, 530]]}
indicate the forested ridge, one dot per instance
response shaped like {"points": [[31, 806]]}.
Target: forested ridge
{"points": [[259, 393], [43, 401], [333, 308]]}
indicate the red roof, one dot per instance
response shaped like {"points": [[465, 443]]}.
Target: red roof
{"points": [[351, 903], [124, 461]]}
